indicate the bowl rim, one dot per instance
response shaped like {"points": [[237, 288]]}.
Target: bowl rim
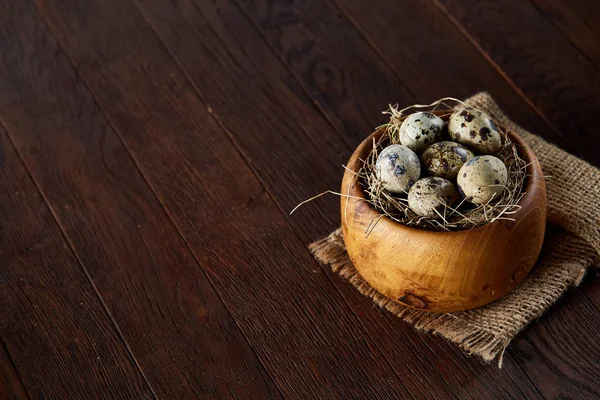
{"points": [[535, 182]]}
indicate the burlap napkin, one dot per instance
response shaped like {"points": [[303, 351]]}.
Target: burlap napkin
{"points": [[572, 245]]}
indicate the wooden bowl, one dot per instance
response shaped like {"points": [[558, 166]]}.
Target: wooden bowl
{"points": [[443, 271]]}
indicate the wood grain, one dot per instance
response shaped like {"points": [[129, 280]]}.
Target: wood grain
{"points": [[353, 79], [540, 60], [51, 319], [555, 354], [579, 20], [442, 280], [295, 26], [270, 110], [179, 330], [350, 83], [403, 347], [382, 23], [564, 84], [262, 272], [318, 147], [11, 385], [433, 59], [234, 111]]}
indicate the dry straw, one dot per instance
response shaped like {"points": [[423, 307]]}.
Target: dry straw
{"points": [[461, 216], [572, 245]]}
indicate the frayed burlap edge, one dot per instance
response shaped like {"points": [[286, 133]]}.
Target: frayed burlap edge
{"points": [[569, 250], [486, 336], [471, 339]]}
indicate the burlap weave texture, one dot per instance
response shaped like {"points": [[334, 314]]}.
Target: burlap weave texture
{"points": [[572, 245]]}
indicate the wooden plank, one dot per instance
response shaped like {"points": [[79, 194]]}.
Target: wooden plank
{"points": [[556, 76], [269, 115], [540, 60], [579, 20], [434, 60], [348, 81], [328, 56], [410, 354], [299, 325], [179, 330], [353, 83], [372, 22], [52, 322], [561, 352], [11, 385]]}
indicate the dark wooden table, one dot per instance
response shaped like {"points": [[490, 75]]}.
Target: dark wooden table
{"points": [[151, 151]]}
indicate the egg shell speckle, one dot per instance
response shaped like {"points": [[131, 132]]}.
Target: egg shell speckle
{"points": [[475, 129], [482, 178], [420, 130], [431, 195], [445, 159], [398, 168]]}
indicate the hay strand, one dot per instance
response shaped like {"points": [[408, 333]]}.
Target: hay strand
{"points": [[460, 217]]}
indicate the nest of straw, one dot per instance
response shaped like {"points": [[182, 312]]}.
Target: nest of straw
{"points": [[461, 216]]}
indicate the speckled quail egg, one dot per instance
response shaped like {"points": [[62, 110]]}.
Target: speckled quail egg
{"points": [[474, 128], [445, 159], [398, 167], [419, 130], [482, 178], [430, 195]]}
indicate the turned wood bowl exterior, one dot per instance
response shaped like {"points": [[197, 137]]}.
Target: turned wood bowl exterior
{"points": [[443, 271]]}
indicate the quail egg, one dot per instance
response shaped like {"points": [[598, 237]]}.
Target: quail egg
{"points": [[445, 159], [398, 167], [474, 128], [429, 196], [419, 130], [482, 178]]}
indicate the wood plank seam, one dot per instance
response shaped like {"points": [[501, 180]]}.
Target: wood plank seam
{"points": [[300, 83], [76, 255], [471, 40], [22, 387], [372, 45], [566, 36], [246, 158], [275, 53], [152, 189], [486, 56], [307, 92], [180, 233], [235, 143], [311, 96], [500, 71], [285, 214], [322, 112], [248, 163], [243, 153]]}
